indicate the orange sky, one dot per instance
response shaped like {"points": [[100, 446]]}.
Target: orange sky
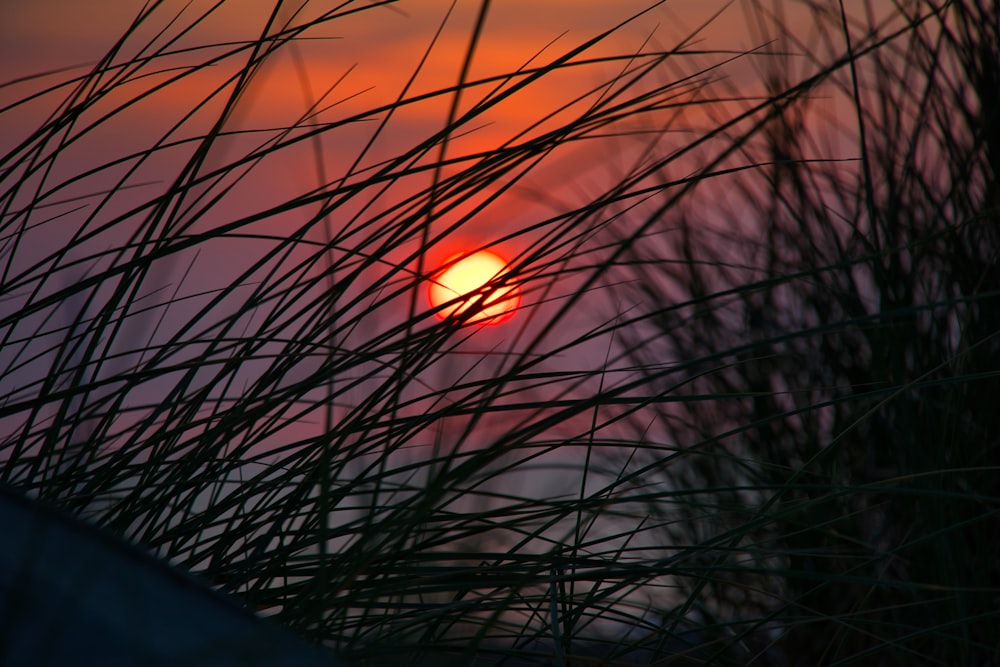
{"points": [[382, 44], [44, 34], [371, 54]]}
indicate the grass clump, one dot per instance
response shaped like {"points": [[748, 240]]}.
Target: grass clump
{"points": [[745, 415]]}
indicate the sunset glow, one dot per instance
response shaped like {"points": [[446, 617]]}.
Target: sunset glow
{"points": [[467, 277]]}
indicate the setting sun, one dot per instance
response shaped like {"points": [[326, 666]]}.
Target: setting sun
{"points": [[467, 277]]}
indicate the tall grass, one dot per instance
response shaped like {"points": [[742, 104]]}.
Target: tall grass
{"points": [[745, 415]]}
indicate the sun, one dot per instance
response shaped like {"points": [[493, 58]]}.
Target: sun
{"points": [[465, 275]]}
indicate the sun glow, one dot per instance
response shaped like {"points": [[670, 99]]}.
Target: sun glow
{"points": [[466, 276]]}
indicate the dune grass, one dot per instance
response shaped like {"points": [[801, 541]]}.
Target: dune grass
{"points": [[747, 413]]}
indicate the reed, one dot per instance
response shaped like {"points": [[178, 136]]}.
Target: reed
{"points": [[745, 414]]}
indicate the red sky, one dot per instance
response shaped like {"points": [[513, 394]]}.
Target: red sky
{"points": [[369, 56], [382, 45]]}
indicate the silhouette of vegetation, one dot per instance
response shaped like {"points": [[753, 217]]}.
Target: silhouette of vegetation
{"points": [[746, 413]]}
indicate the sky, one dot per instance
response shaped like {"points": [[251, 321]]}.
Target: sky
{"points": [[371, 53], [344, 69], [364, 60]]}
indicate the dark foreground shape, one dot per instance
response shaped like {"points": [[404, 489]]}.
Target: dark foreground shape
{"points": [[71, 595], [684, 647]]}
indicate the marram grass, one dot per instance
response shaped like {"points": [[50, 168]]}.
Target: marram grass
{"points": [[745, 414]]}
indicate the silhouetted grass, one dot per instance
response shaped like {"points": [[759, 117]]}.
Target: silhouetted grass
{"points": [[747, 413]]}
